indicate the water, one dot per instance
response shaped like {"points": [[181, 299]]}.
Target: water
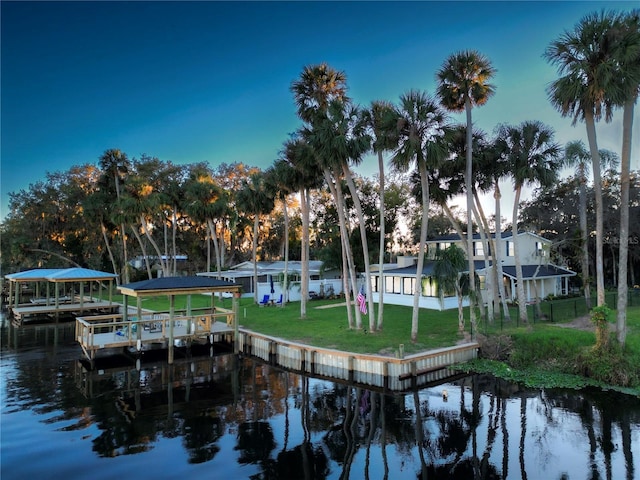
{"points": [[232, 418]]}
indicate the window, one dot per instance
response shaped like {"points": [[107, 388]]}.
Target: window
{"points": [[429, 287], [511, 252], [392, 284], [540, 252], [408, 284], [478, 249], [442, 245]]}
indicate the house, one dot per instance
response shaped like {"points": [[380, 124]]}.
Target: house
{"points": [[541, 277], [271, 275]]}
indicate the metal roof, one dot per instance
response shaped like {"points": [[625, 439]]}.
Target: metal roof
{"points": [[178, 285], [59, 275], [545, 271]]}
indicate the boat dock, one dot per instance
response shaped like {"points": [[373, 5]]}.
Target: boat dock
{"points": [[25, 312], [102, 332]]}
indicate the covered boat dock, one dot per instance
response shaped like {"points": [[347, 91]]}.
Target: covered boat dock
{"points": [[69, 296], [135, 327]]}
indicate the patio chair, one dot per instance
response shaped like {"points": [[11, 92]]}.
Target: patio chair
{"points": [[265, 300], [280, 302]]}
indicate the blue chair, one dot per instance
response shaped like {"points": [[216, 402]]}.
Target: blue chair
{"points": [[265, 300], [280, 302]]}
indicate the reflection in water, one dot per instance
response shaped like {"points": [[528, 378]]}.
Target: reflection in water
{"points": [[239, 418]]}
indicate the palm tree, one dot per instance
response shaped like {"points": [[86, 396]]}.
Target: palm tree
{"points": [[421, 125], [577, 156], [381, 121], [116, 165], [205, 202], [340, 138], [628, 56], [318, 86], [447, 270], [255, 199], [463, 82], [534, 159], [585, 59]]}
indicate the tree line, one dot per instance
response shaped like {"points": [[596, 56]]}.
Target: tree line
{"points": [[433, 159]]}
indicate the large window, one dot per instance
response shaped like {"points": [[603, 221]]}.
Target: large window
{"points": [[478, 249], [429, 287], [392, 284], [408, 285]]}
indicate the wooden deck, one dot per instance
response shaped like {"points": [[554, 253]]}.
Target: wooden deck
{"points": [[102, 332], [25, 312]]}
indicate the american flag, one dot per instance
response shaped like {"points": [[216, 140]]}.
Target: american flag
{"points": [[362, 301]]}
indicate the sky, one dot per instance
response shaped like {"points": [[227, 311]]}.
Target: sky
{"points": [[210, 81]]}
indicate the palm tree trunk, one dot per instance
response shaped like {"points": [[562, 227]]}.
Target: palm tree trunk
{"points": [[304, 254], [469, 182], [492, 287], [365, 245], [214, 237], [522, 301], [254, 253], [163, 263], [597, 187], [382, 244], [144, 251], [625, 179], [109, 251], [336, 190], [487, 267], [498, 254], [586, 280], [285, 283], [417, 291]]}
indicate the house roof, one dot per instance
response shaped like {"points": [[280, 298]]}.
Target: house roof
{"points": [[178, 285], [454, 237], [543, 271], [427, 269]]}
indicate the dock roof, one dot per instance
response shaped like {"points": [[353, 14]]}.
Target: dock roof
{"points": [[178, 286]]}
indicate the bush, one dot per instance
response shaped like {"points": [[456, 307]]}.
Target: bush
{"points": [[610, 365]]}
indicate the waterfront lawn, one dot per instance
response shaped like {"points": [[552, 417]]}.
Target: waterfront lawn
{"points": [[328, 328]]}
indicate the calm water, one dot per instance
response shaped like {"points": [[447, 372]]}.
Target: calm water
{"points": [[222, 417]]}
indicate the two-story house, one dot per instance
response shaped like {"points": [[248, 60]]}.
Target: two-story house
{"points": [[541, 277]]}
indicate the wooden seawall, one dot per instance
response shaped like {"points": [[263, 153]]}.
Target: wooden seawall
{"points": [[388, 373]]}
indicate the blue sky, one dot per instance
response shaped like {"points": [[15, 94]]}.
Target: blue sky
{"points": [[210, 81]]}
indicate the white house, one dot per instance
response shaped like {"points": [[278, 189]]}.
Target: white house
{"points": [[541, 278], [271, 275]]}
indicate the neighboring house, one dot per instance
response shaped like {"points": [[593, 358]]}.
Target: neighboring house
{"points": [[271, 275], [541, 278]]}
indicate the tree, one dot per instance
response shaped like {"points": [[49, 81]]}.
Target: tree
{"points": [[313, 92], [586, 61], [255, 199], [533, 159], [628, 57], [450, 263], [380, 119], [421, 127], [463, 82], [116, 165]]}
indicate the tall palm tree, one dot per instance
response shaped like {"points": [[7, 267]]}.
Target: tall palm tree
{"points": [[421, 127], [206, 202], [628, 56], [116, 165], [577, 156], [316, 88], [381, 121], [534, 159], [255, 199], [589, 69], [463, 82], [340, 138]]}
